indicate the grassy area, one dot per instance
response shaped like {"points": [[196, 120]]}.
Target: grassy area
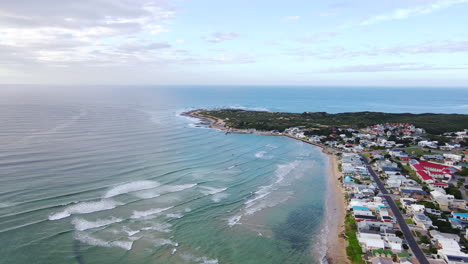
{"points": [[322, 122], [417, 151], [412, 174], [409, 221], [353, 250]]}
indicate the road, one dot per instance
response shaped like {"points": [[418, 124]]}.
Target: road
{"points": [[417, 252]]}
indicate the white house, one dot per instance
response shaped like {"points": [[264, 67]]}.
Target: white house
{"points": [[417, 208], [422, 221]]}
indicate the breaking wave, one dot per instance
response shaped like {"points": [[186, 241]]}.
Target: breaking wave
{"points": [[147, 213], [262, 197], [82, 224], [85, 208], [160, 227], [131, 187], [93, 241]]}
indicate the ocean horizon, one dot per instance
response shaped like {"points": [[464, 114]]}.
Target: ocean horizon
{"points": [[118, 175]]}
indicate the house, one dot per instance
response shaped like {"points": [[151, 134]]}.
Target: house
{"points": [[417, 209], [415, 193], [428, 144], [450, 250], [461, 216], [457, 204], [422, 221], [441, 199], [369, 241], [431, 172], [433, 212], [435, 157], [458, 223], [379, 260], [391, 171], [437, 235], [439, 186]]}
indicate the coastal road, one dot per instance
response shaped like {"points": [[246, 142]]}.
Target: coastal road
{"points": [[399, 217]]}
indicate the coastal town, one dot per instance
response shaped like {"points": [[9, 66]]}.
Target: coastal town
{"points": [[404, 190], [394, 164]]}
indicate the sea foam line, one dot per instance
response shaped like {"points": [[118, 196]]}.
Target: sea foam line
{"points": [[94, 241], [85, 208], [82, 224], [131, 187]]}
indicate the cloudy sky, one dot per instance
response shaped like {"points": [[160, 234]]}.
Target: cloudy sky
{"points": [[299, 42]]}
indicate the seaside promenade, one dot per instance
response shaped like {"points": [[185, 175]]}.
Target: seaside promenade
{"points": [[418, 253]]}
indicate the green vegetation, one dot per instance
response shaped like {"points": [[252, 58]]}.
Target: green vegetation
{"points": [[429, 204], [424, 240], [418, 151], [399, 234], [353, 250], [411, 173], [409, 221], [453, 190], [443, 226], [403, 255], [463, 172], [321, 122]]}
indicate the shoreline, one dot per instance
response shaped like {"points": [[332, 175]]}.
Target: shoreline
{"points": [[335, 216], [335, 202]]}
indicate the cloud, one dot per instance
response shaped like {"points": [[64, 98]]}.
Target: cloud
{"points": [[291, 18], [404, 13], [390, 67], [423, 48], [55, 32], [220, 37]]}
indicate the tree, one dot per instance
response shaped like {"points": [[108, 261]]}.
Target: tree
{"points": [[399, 234], [405, 247]]}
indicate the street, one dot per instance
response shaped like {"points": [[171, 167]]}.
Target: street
{"points": [[399, 217]]}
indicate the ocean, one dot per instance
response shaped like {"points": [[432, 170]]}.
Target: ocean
{"points": [[118, 175]]}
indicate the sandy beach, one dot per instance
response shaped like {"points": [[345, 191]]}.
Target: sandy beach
{"points": [[336, 211], [336, 205]]}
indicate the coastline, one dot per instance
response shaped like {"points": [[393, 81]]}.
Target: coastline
{"points": [[335, 216], [335, 202]]}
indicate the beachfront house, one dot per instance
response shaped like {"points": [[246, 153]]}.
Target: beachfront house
{"points": [[450, 250], [422, 221]]}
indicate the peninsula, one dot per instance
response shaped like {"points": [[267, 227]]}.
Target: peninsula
{"points": [[398, 179]]}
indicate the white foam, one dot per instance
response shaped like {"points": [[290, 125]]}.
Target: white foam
{"points": [[131, 187], [175, 215], [82, 224], [218, 197], [160, 227], [146, 194], [260, 154], [211, 190], [176, 188], [203, 260], [162, 242], [6, 204], [234, 220], [151, 212], [86, 208], [261, 199], [93, 241]]}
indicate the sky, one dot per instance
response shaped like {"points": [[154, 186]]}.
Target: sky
{"points": [[242, 42]]}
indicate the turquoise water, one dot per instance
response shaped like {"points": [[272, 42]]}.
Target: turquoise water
{"points": [[116, 175]]}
